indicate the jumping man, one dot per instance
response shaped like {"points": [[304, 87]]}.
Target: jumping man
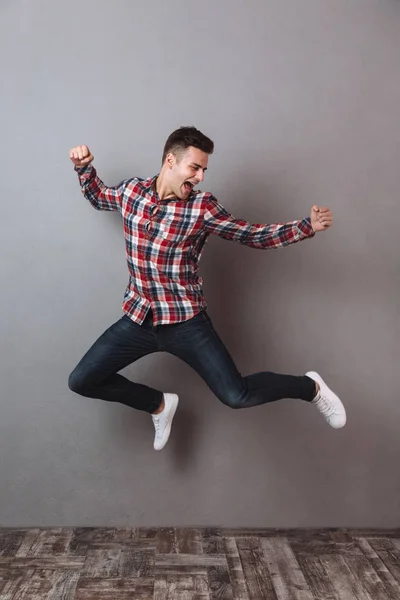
{"points": [[166, 224]]}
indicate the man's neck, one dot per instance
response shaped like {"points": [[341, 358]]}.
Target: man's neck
{"points": [[162, 188]]}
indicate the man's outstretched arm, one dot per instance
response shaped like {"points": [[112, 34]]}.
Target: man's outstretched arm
{"points": [[219, 221], [99, 195]]}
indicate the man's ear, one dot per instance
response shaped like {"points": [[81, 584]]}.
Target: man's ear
{"points": [[170, 160]]}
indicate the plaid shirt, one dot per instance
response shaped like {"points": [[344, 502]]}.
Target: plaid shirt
{"points": [[164, 240]]}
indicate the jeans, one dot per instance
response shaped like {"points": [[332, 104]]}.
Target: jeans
{"points": [[196, 342]]}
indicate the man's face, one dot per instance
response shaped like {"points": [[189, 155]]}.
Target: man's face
{"points": [[186, 171]]}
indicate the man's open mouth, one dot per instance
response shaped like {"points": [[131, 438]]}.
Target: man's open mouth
{"points": [[188, 186]]}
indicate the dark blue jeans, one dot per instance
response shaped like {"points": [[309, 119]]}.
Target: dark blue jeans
{"points": [[194, 341]]}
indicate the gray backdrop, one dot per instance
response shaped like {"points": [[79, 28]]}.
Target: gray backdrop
{"points": [[302, 100]]}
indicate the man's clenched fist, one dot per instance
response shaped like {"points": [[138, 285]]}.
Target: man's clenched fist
{"points": [[81, 156], [321, 218]]}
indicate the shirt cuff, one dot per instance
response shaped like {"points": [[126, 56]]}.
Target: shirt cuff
{"points": [[306, 228], [84, 169]]}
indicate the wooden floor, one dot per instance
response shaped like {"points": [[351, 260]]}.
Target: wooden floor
{"points": [[201, 564]]}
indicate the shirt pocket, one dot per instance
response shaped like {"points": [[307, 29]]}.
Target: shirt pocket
{"points": [[177, 229]]}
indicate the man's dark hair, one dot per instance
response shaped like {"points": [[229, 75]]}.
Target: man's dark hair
{"points": [[182, 138]]}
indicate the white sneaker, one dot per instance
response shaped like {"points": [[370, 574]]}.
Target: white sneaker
{"points": [[163, 421], [328, 403]]}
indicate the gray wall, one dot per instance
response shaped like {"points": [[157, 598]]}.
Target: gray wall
{"points": [[302, 101]]}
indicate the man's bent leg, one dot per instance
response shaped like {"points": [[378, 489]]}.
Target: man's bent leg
{"points": [[95, 376]]}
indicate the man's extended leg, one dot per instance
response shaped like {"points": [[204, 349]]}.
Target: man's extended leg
{"points": [[198, 344]]}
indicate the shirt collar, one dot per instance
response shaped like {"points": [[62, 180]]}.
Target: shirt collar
{"points": [[150, 186], [148, 183]]}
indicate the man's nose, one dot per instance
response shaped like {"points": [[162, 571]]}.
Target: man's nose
{"points": [[200, 175]]}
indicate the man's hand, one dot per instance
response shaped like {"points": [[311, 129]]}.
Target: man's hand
{"points": [[321, 218], [81, 156]]}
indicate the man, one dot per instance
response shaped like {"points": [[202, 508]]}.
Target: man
{"points": [[166, 224]]}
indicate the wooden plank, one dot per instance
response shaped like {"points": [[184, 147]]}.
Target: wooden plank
{"points": [[340, 536], [345, 544], [31, 535], [316, 577], [136, 562], [235, 570], [304, 532], [282, 533], [167, 542], [381, 543], [178, 569], [396, 543], [129, 544], [392, 561], [34, 589], [44, 542], [63, 584], [247, 532], [390, 583], [114, 588], [13, 582], [146, 533], [81, 540], [175, 588], [213, 542], [364, 571], [189, 540], [371, 532], [324, 542], [201, 589], [63, 541], [288, 580], [115, 534], [346, 585], [219, 584], [54, 563], [5, 562], [160, 587], [257, 578], [388, 553], [48, 584], [101, 563], [10, 541], [111, 534], [195, 560]]}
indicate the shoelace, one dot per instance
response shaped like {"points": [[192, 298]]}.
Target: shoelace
{"points": [[156, 421], [327, 407]]}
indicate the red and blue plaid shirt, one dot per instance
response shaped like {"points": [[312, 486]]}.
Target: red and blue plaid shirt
{"points": [[164, 240]]}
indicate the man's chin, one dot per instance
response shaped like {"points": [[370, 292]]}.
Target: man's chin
{"points": [[183, 194]]}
